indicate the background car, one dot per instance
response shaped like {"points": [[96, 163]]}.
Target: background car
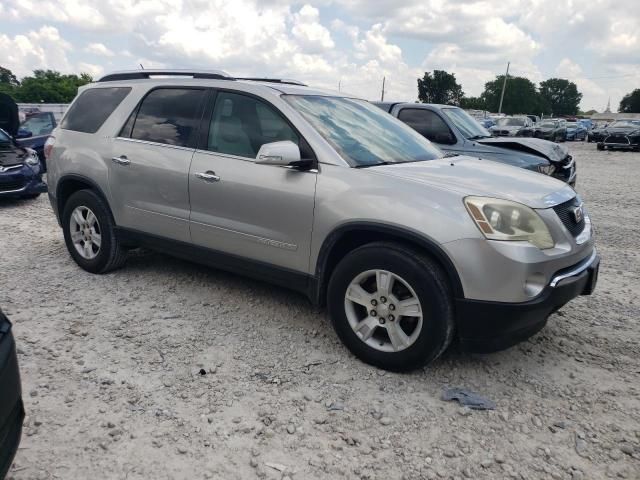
{"points": [[11, 407], [621, 134], [512, 127], [20, 167], [455, 132], [575, 131], [552, 129], [34, 131]]}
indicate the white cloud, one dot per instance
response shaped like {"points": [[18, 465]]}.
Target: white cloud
{"points": [[99, 49], [38, 49], [310, 34]]}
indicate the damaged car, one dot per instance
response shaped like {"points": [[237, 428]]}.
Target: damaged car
{"points": [[20, 167], [457, 133], [552, 129], [621, 134], [575, 131], [512, 127]]}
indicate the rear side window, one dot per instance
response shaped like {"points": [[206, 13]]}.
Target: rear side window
{"points": [[170, 116], [92, 108]]}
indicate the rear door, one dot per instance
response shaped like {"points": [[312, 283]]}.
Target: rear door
{"points": [[149, 168], [430, 125], [254, 211]]}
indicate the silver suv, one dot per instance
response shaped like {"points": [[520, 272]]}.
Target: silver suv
{"points": [[324, 194]]}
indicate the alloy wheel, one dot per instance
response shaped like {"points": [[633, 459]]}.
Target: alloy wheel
{"points": [[86, 233], [383, 310]]}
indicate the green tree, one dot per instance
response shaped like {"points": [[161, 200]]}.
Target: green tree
{"points": [[8, 81], [630, 103], [520, 96], [439, 87], [49, 86], [562, 95], [473, 103]]}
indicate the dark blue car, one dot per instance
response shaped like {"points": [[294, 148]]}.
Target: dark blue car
{"points": [[20, 167], [34, 131]]}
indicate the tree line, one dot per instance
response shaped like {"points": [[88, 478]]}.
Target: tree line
{"points": [[555, 96], [44, 86]]}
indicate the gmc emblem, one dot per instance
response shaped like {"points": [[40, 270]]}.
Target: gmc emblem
{"points": [[578, 214]]}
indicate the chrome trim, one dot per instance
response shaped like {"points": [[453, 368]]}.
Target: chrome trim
{"points": [[10, 167], [13, 191], [581, 267], [158, 144]]}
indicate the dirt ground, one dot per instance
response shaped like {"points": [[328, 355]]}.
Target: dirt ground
{"points": [[166, 369]]}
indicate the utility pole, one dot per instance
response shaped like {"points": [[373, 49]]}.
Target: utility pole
{"points": [[382, 96], [504, 85], [339, 85]]}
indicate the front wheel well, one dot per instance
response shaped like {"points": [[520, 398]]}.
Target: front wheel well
{"points": [[339, 244]]}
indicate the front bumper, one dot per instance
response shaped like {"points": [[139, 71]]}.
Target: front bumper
{"points": [[21, 180], [491, 326], [621, 141]]}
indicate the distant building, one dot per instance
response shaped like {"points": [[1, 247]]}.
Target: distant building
{"points": [[605, 117]]}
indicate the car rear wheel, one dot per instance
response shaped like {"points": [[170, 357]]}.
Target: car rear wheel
{"points": [[391, 306], [89, 233], [600, 146]]}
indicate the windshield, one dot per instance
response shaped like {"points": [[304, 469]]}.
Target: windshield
{"points": [[571, 125], [626, 123], [511, 122], [362, 133], [468, 127], [548, 124]]}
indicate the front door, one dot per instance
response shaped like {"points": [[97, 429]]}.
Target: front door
{"points": [[260, 212], [149, 168]]}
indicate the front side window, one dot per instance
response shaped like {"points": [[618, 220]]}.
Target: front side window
{"points": [[511, 122], [427, 123], [40, 124], [468, 126], [240, 125], [170, 116], [361, 133]]}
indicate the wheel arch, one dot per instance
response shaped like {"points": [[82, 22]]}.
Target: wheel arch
{"points": [[346, 238], [71, 183]]}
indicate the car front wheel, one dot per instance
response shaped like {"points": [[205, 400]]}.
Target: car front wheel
{"points": [[89, 233], [391, 306]]}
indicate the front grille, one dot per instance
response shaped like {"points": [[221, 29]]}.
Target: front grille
{"points": [[565, 213], [620, 139], [9, 185]]}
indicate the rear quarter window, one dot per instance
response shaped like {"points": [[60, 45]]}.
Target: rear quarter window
{"points": [[92, 108]]}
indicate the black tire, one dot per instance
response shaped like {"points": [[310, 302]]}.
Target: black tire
{"points": [[431, 287], [110, 255], [600, 146]]}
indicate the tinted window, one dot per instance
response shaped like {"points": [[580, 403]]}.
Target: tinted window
{"points": [[92, 108], [240, 125], [426, 123], [169, 115]]}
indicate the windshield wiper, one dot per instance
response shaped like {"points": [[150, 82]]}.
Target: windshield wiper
{"points": [[374, 164], [476, 137]]}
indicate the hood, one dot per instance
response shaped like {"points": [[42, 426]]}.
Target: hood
{"points": [[620, 129], [534, 146], [11, 154], [9, 119], [472, 176]]}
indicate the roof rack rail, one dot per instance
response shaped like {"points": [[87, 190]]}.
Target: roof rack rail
{"points": [[144, 74], [273, 80]]}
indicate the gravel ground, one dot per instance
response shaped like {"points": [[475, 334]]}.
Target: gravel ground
{"points": [[166, 369]]}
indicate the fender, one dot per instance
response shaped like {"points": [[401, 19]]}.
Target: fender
{"points": [[72, 177], [389, 231]]}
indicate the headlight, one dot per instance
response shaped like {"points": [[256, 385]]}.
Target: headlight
{"points": [[32, 158], [504, 220], [546, 169]]}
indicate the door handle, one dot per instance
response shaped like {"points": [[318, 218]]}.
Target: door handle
{"points": [[208, 176], [121, 160]]}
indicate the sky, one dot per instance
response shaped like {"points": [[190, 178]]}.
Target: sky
{"points": [[346, 44]]}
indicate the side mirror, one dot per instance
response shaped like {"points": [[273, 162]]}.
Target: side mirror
{"points": [[280, 154], [444, 137], [24, 133]]}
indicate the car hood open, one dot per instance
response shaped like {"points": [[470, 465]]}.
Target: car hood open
{"points": [[9, 119], [535, 146], [473, 176]]}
